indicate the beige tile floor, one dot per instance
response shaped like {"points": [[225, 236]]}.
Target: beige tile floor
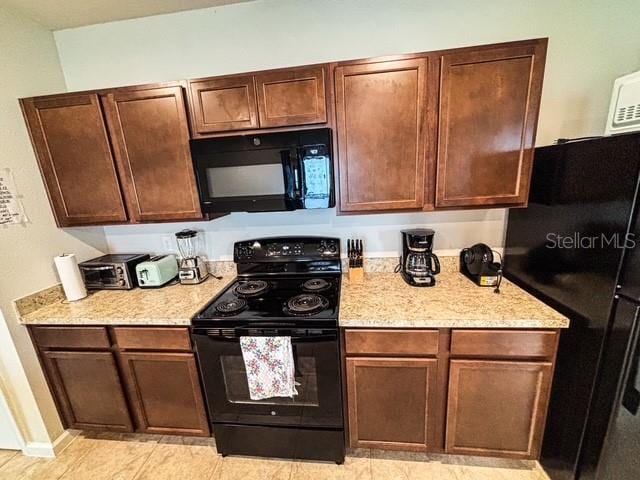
{"points": [[129, 457]]}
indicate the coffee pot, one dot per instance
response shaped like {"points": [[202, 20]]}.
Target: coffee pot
{"points": [[418, 264]]}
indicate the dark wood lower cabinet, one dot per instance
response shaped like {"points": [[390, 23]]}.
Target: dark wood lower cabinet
{"points": [[391, 402], [123, 379], [165, 393], [492, 402], [87, 389], [497, 408]]}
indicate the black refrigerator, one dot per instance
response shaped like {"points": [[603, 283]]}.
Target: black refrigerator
{"points": [[574, 247]]}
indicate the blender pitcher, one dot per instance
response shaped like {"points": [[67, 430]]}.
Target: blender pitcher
{"points": [[193, 268]]}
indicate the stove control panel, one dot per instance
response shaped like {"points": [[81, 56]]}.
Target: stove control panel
{"points": [[328, 247], [287, 249], [284, 249]]}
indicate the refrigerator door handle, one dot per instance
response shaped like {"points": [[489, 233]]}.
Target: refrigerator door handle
{"points": [[631, 395]]}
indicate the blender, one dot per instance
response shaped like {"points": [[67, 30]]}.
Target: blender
{"points": [[193, 268]]}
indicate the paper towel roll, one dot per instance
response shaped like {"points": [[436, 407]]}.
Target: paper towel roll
{"points": [[70, 276]]}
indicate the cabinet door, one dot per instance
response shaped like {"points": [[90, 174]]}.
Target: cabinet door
{"points": [[497, 408], [489, 101], [87, 389], [391, 403], [380, 110], [292, 97], [165, 393], [151, 142], [222, 104], [70, 141]]}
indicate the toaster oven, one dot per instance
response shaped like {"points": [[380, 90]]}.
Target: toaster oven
{"points": [[116, 271]]}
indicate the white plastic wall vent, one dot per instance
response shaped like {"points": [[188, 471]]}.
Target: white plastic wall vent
{"points": [[624, 111]]}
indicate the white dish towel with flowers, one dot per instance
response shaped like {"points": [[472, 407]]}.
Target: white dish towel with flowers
{"points": [[270, 367]]}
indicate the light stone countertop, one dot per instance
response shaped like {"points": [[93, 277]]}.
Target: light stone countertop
{"points": [[384, 300], [171, 305]]}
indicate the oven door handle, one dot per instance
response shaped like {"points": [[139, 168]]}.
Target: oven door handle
{"points": [[86, 267], [270, 325], [297, 338]]}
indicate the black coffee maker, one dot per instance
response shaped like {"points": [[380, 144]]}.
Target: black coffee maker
{"points": [[418, 265]]}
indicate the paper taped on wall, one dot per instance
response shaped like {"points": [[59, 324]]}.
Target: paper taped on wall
{"points": [[11, 211]]}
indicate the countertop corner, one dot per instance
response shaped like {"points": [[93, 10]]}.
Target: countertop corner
{"points": [[170, 305]]}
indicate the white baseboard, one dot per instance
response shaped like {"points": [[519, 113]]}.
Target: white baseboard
{"points": [[49, 450]]}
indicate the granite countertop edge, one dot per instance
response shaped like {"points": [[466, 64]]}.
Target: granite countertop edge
{"points": [[454, 323]]}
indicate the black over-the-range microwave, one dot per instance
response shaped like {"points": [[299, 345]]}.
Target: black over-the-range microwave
{"points": [[265, 173]]}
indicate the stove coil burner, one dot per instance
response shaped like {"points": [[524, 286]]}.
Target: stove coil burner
{"points": [[306, 304], [251, 288], [231, 307], [316, 285]]}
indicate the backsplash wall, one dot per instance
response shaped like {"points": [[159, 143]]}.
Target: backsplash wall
{"points": [[454, 230]]}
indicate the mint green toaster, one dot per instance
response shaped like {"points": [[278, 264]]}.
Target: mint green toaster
{"points": [[157, 271]]}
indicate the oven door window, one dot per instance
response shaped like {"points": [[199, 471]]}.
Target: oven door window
{"points": [[237, 389], [99, 275]]}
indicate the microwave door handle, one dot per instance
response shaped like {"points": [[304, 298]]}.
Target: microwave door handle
{"points": [[289, 174], [86, 267], [299, 177]]}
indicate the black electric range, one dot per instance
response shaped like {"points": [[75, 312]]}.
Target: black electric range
{"points": [[286, 286], [291, 299]]}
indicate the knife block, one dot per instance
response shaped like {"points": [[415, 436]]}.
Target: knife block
{"points": [[356, 274]]}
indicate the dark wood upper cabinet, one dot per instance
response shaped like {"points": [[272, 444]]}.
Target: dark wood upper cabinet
{"points": [[489, 100], [381, 120], [223, 104], [433, 130], [497, 408], [391, 403], [87, 389], [292, 97], [150, 136], [165, 393], [72, 147]]}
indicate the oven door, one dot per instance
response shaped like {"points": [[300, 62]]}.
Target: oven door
{"points": [[317, 372]]}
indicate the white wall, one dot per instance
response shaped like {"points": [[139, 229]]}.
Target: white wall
{"points": [[591, 42], [30, 66], [10, 438]]}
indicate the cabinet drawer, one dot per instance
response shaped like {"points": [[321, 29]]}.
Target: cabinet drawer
{"points": [[147, 338], [504, 343], [391, 342], [71, 337]]}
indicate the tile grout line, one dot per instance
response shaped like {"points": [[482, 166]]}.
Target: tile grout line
{"points": [[218, 465], [79, 459], [9, 459], [146, 461], [66, 470], [290, 470]]}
